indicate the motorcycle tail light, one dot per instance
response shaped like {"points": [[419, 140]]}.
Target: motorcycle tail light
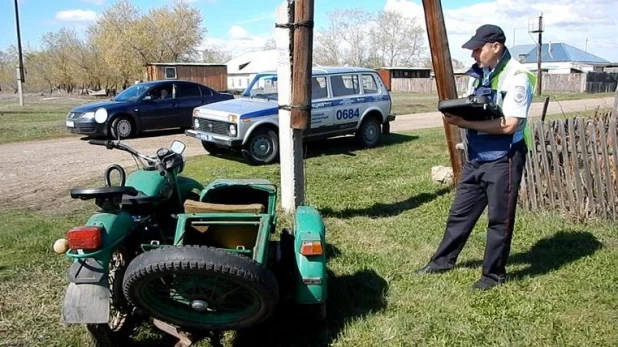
{"points": [[86, 238], [311, 248]]}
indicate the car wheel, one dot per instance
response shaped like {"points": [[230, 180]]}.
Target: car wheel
{"points": [[262, 147], [368, 134], [212, 148], [122, 127]]}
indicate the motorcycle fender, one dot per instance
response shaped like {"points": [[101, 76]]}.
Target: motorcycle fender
{"points": [[86, 303], [311, 286]]}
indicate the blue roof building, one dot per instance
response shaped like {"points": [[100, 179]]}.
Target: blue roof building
{"points": [[558, 58]]}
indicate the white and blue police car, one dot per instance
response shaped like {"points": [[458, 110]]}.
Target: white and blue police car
{"points": [[345, 100]]}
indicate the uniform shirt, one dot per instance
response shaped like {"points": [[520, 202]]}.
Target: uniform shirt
{"points": [[515, 100]]}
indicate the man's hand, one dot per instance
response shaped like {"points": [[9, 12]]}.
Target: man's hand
{"points": [[453, 119]]}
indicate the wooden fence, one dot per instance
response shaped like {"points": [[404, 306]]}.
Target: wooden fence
{"points": [[573, 168], [591, 82]]}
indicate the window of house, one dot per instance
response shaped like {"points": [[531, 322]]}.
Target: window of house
{"points": [[170, 73]]}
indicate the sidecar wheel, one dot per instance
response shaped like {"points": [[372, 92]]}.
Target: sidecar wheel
{"points": [[121, 319], [201, 287]]}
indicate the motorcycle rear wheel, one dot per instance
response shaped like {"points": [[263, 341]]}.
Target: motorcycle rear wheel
{"points": [[201, 288], [121, 321]]}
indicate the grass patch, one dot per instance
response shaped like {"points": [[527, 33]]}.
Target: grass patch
{"points": [[40, 118], [385, 217]]}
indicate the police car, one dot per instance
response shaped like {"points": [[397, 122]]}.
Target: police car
{"points": [[345, 101]]}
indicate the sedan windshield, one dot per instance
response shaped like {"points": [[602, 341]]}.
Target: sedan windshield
{"points": [[132, 93], [263, 87]]}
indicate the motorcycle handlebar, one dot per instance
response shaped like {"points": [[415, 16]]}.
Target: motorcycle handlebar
{"points": [[107, 143]]}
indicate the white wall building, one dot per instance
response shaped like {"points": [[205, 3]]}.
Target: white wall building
{"points": [[242, 69]]}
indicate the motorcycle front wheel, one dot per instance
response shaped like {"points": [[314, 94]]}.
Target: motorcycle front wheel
{"points": [[201, 287]]}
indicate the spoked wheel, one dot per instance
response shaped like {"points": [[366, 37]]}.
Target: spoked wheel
{"points": [[202, 288], [121, 321]]}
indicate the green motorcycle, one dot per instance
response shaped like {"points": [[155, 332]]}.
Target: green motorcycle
{"points": [[139, 211], [190, 262]]}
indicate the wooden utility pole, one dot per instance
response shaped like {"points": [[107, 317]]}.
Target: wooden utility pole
{"points": [[20, 63], [294, 36], [445, 79]]}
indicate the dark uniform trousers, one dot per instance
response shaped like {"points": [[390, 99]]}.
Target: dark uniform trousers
{"points": [[495, 185]]}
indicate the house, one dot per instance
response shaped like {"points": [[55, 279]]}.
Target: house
{"points": [[242, 69], [558, 58], [389, 73], [211, 75]]}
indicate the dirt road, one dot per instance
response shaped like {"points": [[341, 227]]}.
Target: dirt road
{"points": [[39, 174]]}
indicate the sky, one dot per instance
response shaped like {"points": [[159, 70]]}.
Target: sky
{"points": [[243, 25]]}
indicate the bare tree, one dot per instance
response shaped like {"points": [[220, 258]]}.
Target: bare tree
{"points": [[271, 43], [397, 40], [344, 41], [214, 54]]}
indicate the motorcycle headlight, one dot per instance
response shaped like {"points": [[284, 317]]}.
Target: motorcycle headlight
{"points": [[87, 115], [196, 123], [100, 116], [232, 129]]}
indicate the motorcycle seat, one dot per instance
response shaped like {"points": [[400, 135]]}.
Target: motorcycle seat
{"points": [[105, 193]]}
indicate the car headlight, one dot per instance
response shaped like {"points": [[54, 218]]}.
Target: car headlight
{"points": [[87, 115], [100, 116], [232, 129], [232, 118], [196, 123]]}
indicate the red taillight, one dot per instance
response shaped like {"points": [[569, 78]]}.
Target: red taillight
{"points": [[311, 248], [86, 238]]}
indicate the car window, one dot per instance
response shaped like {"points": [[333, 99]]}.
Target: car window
{"points": [[369, 84], [319, 88], [161, 92], [186, 90], [206, 91], [344, 85]]}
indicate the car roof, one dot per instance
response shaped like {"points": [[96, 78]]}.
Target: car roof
{"points": [[324, 70]]}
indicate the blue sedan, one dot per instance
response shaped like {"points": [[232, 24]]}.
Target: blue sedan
{"points": [[145, 106]]}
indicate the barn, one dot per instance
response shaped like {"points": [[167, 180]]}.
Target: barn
{"points": [[211, 75]]}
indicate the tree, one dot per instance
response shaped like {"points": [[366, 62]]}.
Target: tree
{"points": [[397, 40], [271, 43], [215, 54], [344, 41]]}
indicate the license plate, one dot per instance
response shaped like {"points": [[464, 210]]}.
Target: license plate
{"points": [[204, 137], [71, 124]]}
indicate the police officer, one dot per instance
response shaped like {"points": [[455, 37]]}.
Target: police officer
{"points": [[496, 156]]}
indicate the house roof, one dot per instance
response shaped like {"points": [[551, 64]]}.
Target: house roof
{"points": [[556, 52], [253, 62]]}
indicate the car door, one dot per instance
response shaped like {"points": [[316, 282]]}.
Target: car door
{"points": [[156, 109], [188, 97], [347, 101], [322, 106]]}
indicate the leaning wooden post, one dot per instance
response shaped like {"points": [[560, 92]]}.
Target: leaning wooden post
{"points": [[445, 80], [295, 35], [615, 110]]}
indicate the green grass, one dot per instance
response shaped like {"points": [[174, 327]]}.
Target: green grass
{"points": [[38, 119], [384, 217]]}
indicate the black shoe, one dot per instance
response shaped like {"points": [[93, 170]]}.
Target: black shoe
{"points": [[486, 283], [428, 269]]}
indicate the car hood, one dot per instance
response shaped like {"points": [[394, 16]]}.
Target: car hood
{"points": [[108, 104], [244, 107]]}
